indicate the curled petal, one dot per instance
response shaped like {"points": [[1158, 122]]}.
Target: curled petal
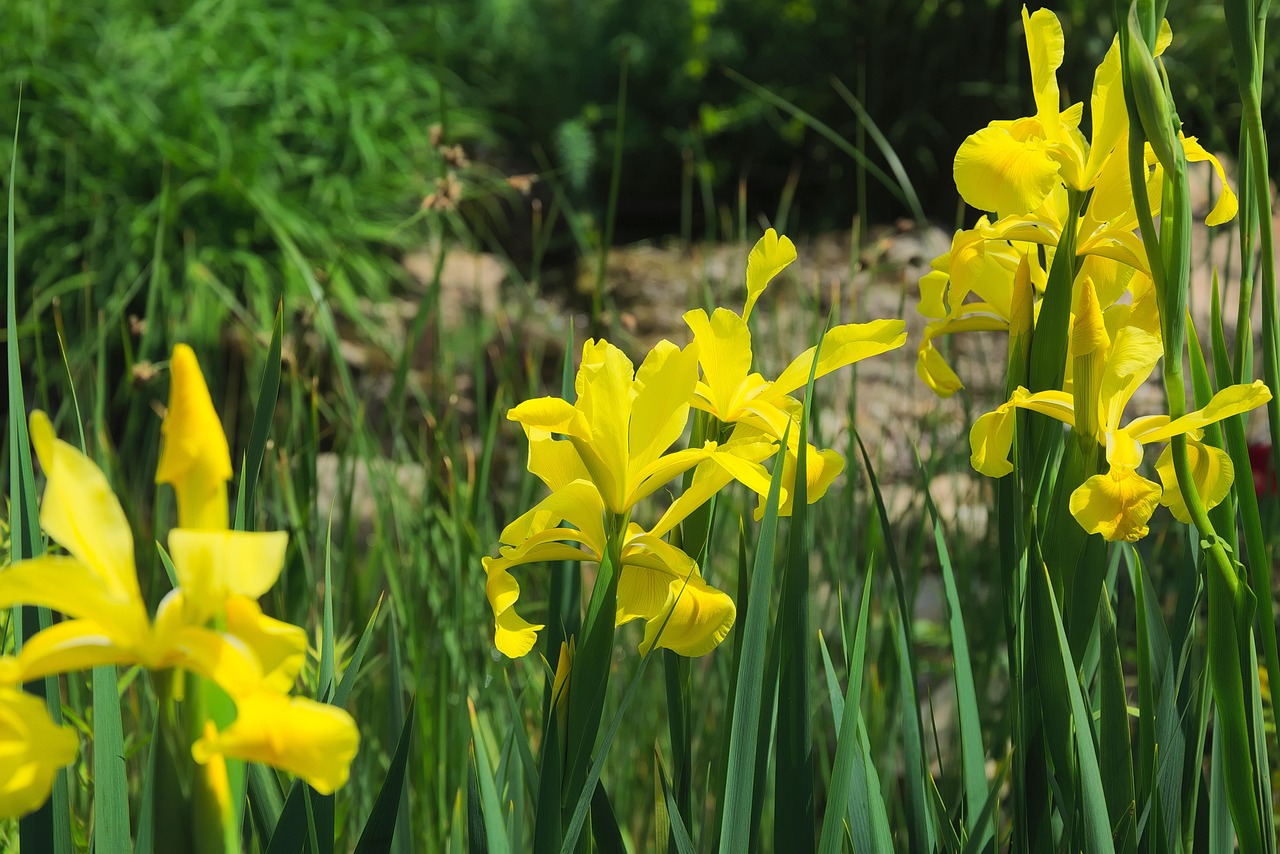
{"points": [[1116, 505], [769, 257], [1212, 471], [311, 740], [280, 647], [513, 635], [32, 749], [1225, 208], [995, 171], [195, 458], [701, 617], [990, 440]]}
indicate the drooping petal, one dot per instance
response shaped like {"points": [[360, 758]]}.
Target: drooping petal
{"points": [[1212, 471], [1224, 209], [996, 172], [724, 351], [933, 369], [701, 617], [1116, 505], [513, 635], [220, 657], [314, 741], [81, 513], [841, 346], [32, 749], [658, 579], [990, 440], [194, 458], [280, 647], [991, 437], [554, 461], [769, 257], [212, 565], [735, 460]]}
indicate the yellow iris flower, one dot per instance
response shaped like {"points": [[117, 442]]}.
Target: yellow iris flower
{"points": [[613, 456], [1118, 503], [32, 749], [1023, 171], [210, 624], [734, 394]]}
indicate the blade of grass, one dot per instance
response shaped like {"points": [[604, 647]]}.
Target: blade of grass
{"points": [[379, 830], [849, 792], [921, 828], [268, 394], [110, 782], [972, 755], [1096, 825], [489, 804], [749, 697]]}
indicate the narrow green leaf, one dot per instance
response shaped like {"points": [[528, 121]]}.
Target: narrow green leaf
{"points": [[849, 768], [604, 824], [110, 783], [1097, 826], [268, 394], [680, 839], [490, 805], [921, 828], [793, 748], [749, 697], [972, 755], [1113, 728], [379, 829]]}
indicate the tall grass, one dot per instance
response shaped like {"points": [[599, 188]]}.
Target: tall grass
{"points": [[1073, 694]]}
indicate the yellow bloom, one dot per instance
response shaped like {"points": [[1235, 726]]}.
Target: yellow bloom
{"points": [[314, 741], [32, 749], [1118, 503], [655, 577], [734, 394], [195, 458], [623, 421]]}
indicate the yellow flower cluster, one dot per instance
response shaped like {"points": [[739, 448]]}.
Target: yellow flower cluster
{"points": [[209, 624], [609, 449], [1043, 182]]}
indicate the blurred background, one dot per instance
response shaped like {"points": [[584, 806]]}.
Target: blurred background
{"points": [[441, 195], [197, 138]]}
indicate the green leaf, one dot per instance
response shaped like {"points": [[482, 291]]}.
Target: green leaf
{"points": [[972, 755], [748, 700], [379, 829], [679, 834], [1096, 824], [110, 783], [490, 805], [853, 789], [268, 394], [793, 748], [921, 828]]}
